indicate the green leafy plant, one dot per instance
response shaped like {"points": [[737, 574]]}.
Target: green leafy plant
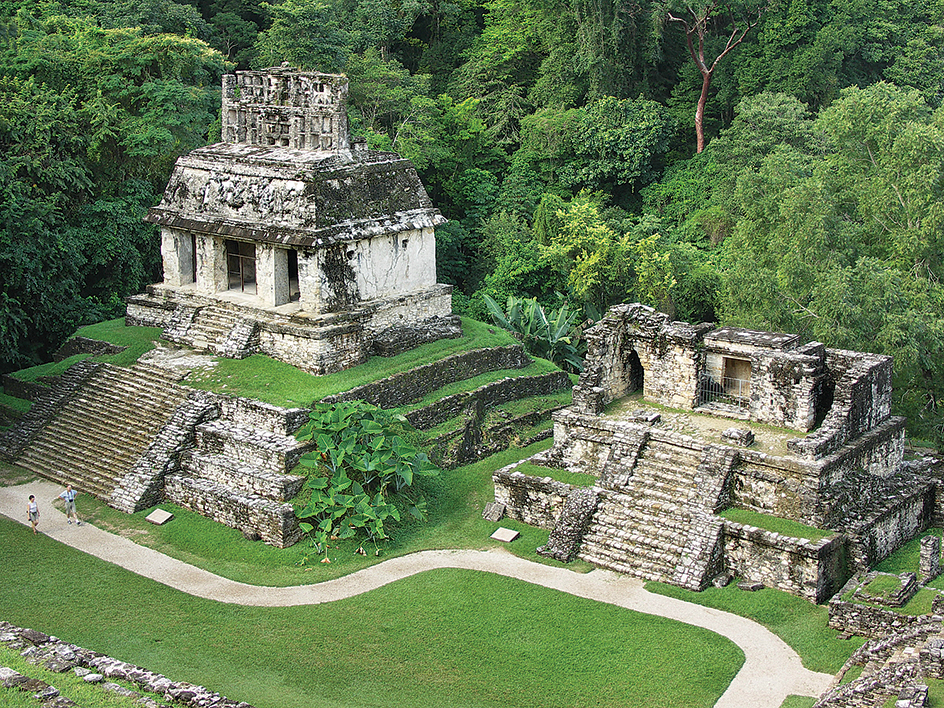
{"points": [[359, 467], [550, 335]]}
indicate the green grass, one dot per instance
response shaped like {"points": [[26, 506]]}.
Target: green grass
{"points": [[12, 402], [69, 685], [578, 479], [798, 702], [785, 527], [523, 406], [920, 604], [935, 692], [905, 559], [138, 340], [444, 638], [52, 368], [799, 623], [883, 585], [281, 384]]}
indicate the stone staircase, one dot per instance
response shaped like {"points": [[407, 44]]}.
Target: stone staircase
{"points": [[215, 328], [648, 522], [107, 425]]}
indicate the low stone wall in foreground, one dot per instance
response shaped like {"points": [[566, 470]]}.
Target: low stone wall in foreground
{"points": [[58, 656]]}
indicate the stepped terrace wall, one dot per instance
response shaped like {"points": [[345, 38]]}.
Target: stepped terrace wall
{"points": [[492, 394], [814, 570], [413, 385]]}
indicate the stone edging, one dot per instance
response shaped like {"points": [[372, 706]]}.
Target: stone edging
{"points": [[56, 655]]}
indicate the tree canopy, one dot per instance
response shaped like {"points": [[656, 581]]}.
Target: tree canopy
{"points": [[556, 136]]}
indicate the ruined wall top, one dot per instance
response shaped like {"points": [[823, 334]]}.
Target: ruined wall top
{"points": [[284, 107]]}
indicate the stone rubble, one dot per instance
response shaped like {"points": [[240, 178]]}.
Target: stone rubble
{"points": [[44, 650]]}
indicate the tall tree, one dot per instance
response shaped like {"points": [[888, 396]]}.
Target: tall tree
{"points": [[698, 21]]}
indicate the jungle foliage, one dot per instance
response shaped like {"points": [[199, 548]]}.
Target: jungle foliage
{"points": [[558, 136], [359, 473]]}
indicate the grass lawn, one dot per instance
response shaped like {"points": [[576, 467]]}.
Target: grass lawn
{"points": [[578, 479], [799, 623], [138, 340], [798, 702], [905, 559], [768, 522], [442, 638]]}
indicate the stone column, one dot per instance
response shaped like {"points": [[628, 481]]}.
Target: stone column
{"points": [[272, 275], [929, 564], [211, 265], [177, 254], [309, 282]]}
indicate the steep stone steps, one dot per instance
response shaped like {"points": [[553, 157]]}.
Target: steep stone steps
{"points": [[221, 331], [649, 526], [98, 435]]}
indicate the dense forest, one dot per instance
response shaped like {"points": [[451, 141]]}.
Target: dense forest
{"points": [[774, 165]]}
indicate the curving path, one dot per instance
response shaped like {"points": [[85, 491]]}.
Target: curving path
{"points": [[771, 671]]}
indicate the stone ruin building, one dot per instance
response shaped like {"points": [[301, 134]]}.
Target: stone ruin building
{"points": [[287, 239], [663, 471], [291, 240]]}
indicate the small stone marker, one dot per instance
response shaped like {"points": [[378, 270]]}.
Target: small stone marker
{"points": [[159, 517], [506, 535], [739, 436], [750, 587], [494, 511]]}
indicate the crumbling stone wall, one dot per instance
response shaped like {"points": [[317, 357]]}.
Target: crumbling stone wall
{"points": [[631, 336], [862, 385], [536, 501], [789, 385], [56, 655], [811, 569]]}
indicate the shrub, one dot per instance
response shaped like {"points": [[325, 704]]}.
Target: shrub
{"points": [[359, 466]]}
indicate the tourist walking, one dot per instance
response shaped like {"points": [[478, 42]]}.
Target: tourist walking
{"points": [[32, 512], [69, 496]]}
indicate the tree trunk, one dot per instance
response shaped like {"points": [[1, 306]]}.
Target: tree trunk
{"points": [[700, 111]]}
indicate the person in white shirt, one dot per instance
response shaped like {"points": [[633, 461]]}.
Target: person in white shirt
{"points": [[32, 512], [69, 496]]}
